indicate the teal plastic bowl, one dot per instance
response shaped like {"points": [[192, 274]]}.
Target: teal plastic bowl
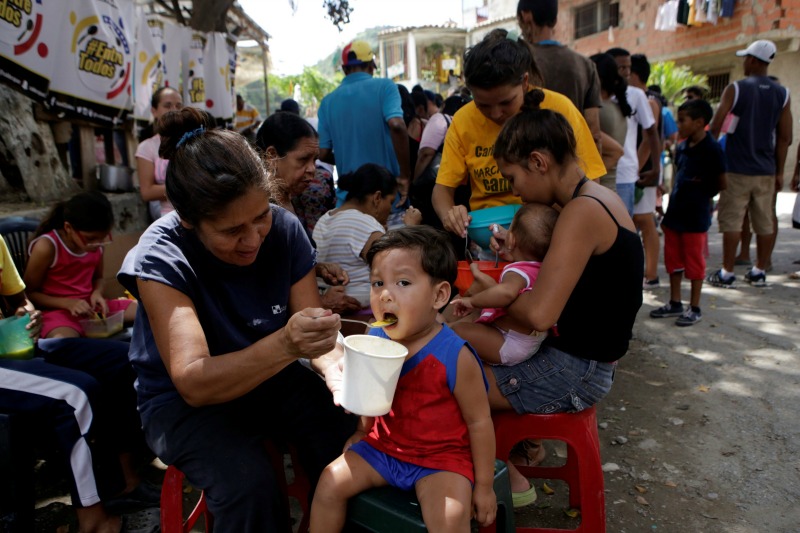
{"points": [[478, 230], [15, 340]]}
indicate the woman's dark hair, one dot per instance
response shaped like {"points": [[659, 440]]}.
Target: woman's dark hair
{"points": [[453, 104], [208, 168], [420, 100], [535, 129], [407, 104], [498, 61], [283, 130], [156, 98], [86, 211], [611, 81], [434, 247], [368, 179]]}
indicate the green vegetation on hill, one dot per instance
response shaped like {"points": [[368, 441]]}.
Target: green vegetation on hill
{"points": [[315, 82]]}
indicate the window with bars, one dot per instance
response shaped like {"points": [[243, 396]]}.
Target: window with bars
{"points": [[595, 17], [717, 84]]}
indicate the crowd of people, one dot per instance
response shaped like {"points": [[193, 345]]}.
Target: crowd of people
{"points": [[255, 255]]}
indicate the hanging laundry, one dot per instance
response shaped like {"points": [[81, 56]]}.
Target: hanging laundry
{"points": [[727, 8], [667, 16], [682, 16], [712, 13], [700, 8]]}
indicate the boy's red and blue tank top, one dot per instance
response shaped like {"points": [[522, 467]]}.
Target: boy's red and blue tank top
{"points": [[425, 426]]}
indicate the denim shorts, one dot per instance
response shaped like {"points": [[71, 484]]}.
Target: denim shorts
{"points": [[627, 192], [553, 381]]}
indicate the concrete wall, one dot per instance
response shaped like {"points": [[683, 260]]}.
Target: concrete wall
{"points": [[130, 212]]}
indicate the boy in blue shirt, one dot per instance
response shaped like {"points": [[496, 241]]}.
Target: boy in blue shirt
{"points": [[700, 176]]}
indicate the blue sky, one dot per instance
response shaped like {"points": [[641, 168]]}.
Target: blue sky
{"points": [[305, 37]]}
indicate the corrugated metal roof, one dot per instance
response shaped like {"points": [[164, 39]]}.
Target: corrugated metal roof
{"points": [[451, 25]]}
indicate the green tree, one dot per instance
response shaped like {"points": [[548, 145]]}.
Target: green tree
{"points": [[674, 78]]}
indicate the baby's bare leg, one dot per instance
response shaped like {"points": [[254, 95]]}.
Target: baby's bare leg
{"points": [[446, 502], [346, 476], [485, 338]]}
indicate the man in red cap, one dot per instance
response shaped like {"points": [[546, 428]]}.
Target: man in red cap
{"points": [[362, 120]]}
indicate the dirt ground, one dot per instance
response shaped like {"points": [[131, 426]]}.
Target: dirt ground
{"points": [[700, 433]]}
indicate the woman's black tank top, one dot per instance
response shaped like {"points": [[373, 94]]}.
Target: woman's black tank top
{"points": [[597, 321]]}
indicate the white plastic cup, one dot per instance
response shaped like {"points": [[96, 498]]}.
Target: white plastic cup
{"points": [[371, 369]]}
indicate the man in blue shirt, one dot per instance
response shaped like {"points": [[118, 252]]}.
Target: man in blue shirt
{"points": [[362, 120]]}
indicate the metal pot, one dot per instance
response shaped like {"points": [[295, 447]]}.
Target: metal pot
{"points": [[114, 178]]}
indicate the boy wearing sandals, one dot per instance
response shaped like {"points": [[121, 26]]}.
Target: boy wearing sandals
{"points": [[700, 176], [438, 438]]}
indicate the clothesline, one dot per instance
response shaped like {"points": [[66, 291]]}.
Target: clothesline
{"points": [[674, 13]]}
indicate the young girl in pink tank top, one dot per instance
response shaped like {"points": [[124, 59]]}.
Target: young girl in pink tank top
{"points": [[64, 275], [498, 338]]}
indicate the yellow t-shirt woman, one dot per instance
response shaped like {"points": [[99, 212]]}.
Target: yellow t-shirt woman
{"points": [[468, 155]]}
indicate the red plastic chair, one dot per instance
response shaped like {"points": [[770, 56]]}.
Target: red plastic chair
{"points": [[582, 470], [298, 489], [172, 495], [172, 506]]}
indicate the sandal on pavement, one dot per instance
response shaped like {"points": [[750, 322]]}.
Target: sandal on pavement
{"points": [[527, 453], [524, 499]]}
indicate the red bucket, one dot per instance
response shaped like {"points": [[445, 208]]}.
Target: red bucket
{"points": [[465, 278]]}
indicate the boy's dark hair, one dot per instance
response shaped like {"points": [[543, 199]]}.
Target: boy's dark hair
{"points": [[208, 168], [697, 109], [497, 61], [283, 130], [533, 228], [86, 211], [618, 52], [545, 12], [697, 90], [435, 250], [368, 179], [640, 66], [535, 129]]}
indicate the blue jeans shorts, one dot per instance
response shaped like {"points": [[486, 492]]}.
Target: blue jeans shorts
{"points": [[397, 473], [553, 381], [627, 192]]}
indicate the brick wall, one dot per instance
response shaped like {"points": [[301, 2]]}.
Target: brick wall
{"points": [[706, 49], [751, 19]]}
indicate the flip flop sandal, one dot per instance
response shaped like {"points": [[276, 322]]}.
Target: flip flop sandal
{"points": [[527, 453], [524, 499]]}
